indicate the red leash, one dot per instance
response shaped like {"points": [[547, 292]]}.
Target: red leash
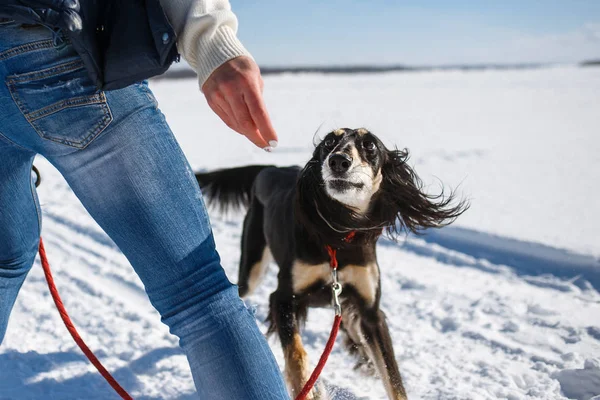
{"points": [[315, 375], [71, 328], [336, 288]]}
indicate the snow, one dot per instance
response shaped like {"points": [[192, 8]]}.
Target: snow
{"points": [[503, 304], [581, 384]]}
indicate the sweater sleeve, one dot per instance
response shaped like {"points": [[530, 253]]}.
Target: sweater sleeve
{"points": [[206, 32]]}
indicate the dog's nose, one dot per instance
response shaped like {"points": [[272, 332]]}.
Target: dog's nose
{"points": [[340, 162]]}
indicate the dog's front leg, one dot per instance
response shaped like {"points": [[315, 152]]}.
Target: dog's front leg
{"points": [[284, 320], [378, 343]]}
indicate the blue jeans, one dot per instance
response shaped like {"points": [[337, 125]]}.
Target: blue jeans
{"points": [[120, 158]]}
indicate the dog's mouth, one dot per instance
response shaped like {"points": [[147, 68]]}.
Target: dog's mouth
{"points": [[342, 185]]}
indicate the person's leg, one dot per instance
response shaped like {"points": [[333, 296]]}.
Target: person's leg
{"points": [[135, 182], [120, 158], [19, 228]]}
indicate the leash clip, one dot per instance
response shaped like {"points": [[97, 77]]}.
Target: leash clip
{"points": [[336, 289]]}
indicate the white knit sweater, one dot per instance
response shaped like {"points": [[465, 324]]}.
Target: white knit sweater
{"points": [[206, 33]]}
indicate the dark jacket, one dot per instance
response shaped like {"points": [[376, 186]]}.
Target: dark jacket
{"points": [[124, 41]]}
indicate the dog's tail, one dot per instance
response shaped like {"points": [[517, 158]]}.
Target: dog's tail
{"points": [[229, 189]]}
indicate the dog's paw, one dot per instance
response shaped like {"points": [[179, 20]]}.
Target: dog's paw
{"points": [[365, 367], [320, 391]]}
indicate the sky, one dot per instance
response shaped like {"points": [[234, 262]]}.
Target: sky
{"points": [[428, 32]]}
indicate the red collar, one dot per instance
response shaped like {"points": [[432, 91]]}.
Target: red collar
{"points": [[333, 263]]}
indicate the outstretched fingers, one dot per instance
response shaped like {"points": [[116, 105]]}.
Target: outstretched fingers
{"points": [[234, 93]]}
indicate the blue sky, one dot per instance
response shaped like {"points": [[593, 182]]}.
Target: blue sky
{"points": [[434, 32]]}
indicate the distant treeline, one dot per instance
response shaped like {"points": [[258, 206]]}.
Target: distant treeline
{"points": [[591, 63], [362, 69]]}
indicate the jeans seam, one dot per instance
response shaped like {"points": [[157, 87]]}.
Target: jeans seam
{"points": [[25, 48], [61, 105], [13, 143], [94, 132], [45, 73], [31, 184]]}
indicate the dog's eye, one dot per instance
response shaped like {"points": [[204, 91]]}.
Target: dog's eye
{"points": [[329, 142], [368, 145]]}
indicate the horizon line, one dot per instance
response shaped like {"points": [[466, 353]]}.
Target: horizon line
{"points": [[185, 71]]}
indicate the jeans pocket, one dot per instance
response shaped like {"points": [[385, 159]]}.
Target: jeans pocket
{"points": [[61, 103]]}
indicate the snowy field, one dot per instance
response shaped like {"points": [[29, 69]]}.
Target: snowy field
{"points": [[504, 304]]}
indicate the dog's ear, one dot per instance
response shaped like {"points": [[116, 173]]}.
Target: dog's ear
{"points": [[406, 205]]}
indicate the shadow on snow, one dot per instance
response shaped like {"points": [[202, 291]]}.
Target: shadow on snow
{"points": [[538, 264], [21, 371]]}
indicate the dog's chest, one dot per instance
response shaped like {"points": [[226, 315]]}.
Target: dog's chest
{"points": [[363, 278]]}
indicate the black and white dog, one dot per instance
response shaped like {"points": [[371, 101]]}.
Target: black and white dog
{"points": [[352, 183]]}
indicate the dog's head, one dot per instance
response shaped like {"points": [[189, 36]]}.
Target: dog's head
{"points": [[353, 182], [351, 162]]}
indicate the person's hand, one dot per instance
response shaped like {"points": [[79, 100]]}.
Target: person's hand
{"points": [[62, 14], [234, 93]]}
